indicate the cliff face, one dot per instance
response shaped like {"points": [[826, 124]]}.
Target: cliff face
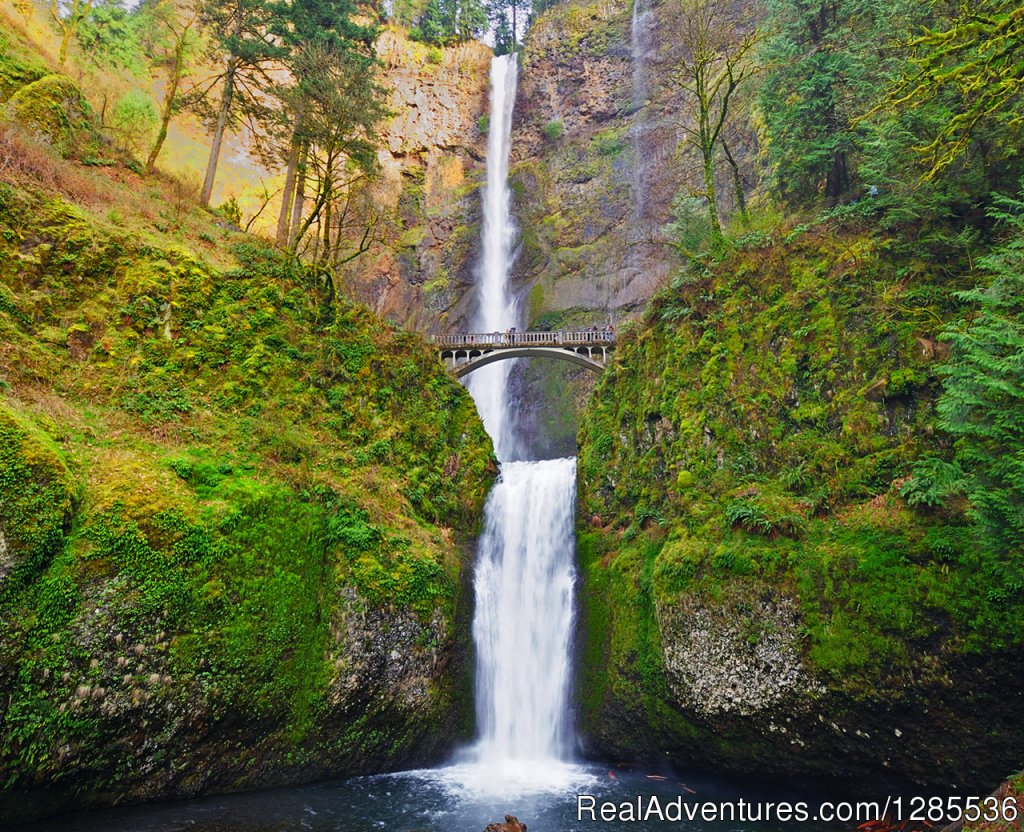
{"points": [[759, 593], [425, 206], [582, 180]]}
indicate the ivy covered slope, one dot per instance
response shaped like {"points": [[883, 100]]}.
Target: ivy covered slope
{"points": [[795, 562], [232, 515]]}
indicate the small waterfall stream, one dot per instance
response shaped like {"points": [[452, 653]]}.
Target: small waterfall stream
{"points": [[638, 46]]}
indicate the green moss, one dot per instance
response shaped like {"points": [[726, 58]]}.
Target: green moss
{"points": [[254, 456], [54, 107], [37, 498], [740, 419], [18, 66]]}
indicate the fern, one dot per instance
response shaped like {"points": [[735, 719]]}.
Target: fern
{"points": [[934, 480]]}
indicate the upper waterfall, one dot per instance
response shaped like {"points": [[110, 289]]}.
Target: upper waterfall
{"points": [[496, 308]]}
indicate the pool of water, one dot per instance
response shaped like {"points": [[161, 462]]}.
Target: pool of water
{"points": [[458, 798]]}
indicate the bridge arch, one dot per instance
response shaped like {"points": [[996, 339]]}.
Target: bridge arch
{"points": [[474, 359]]}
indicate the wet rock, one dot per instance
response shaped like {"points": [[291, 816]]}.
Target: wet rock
{"points": [[511, 824]]}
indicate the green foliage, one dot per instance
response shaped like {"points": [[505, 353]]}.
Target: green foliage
{"points": [[975, 58], [553, 130], [448, 22], [983, 397], [18, 67], [933, 482], [744, 428], [110, 36], [134, 120]]}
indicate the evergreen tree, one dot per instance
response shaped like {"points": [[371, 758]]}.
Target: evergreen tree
{"points": [[431, 28], [504, 41], [445, 22], [328, 28], [983, 401], [803, 98], [240, 31]]}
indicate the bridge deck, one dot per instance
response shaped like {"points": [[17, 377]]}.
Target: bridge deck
{"points": [[498, 340]]}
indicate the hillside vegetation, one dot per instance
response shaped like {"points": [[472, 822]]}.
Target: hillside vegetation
{"points": [[232, 503], [801, 481]]}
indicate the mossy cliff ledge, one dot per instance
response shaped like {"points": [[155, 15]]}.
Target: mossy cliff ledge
{"points": [[761, 593], [233, 521]]}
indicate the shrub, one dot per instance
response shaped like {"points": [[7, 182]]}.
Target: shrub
{"points": [[133, 121], [553, 130]]}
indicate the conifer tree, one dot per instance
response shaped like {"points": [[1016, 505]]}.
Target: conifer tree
{"points": [[983, 401], [240, 31], [327, 28]]}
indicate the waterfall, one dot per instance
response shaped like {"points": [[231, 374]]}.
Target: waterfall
{"points": [[496, 307], [524, 612], [525, 570], [638, 47]]}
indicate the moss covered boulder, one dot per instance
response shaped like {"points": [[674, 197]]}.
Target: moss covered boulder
{"points": [[54, 108], [760, 593]]}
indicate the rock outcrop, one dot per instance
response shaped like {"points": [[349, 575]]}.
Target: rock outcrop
{"points": [[233, 519], [511, 824], [425, 206]]}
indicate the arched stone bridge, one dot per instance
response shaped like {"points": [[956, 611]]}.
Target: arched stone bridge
{"points": [[463, 353]]}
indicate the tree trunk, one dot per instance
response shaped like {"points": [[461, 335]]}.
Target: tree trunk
{"points": [[65, 42], [327, 228], [218, 132], [838, 181], [300, 196], [284, 218], [170, 95], [712, 195], [224, 114], [737, 183]]}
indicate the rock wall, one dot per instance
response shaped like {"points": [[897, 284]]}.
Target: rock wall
{"points": [[425, 205]]}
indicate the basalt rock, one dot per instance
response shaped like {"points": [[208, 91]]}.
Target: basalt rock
{"points": [[511, 824]]}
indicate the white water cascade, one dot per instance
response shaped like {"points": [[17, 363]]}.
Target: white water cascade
{"points": [[496, 307], [523, 620]]}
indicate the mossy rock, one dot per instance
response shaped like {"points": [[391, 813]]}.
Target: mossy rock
{"points": [[37, 498], [54, 107]]}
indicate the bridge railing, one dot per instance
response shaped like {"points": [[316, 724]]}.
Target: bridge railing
{"points": [[494, 340]]}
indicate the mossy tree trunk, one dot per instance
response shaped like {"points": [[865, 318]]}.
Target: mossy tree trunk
{"points": [[176, 43], [68, 25]]}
